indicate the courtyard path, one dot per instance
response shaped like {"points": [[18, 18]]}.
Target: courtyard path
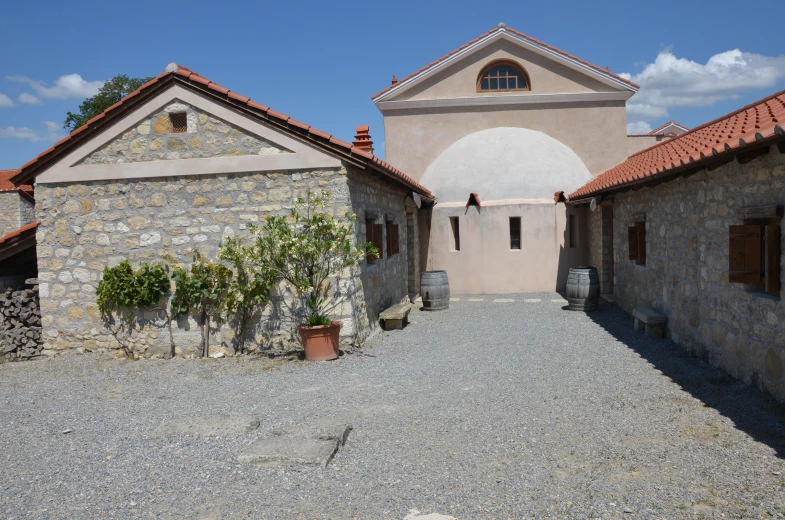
{"points": [[506, 408]]}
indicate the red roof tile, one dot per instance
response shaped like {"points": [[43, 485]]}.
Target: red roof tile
{"points": [[604, 71], [19, 231], [7, 185], [182, 74], [760, 121]]}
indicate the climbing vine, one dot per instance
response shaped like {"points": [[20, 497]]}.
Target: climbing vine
{"points": [[122, 291]]}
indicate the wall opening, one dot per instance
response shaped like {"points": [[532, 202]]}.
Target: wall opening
{"points": [[572, 231], [515, 232], [179, 122], [456, 234]]}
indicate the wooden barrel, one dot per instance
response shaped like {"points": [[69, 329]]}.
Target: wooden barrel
{"points": [[435, 289], [583, 288]]}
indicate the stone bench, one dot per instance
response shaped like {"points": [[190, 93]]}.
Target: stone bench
{"points": [[650, 321], [396, 316]]}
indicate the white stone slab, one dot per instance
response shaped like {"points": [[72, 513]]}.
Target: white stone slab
{"points": [[503, 300], [532, 300], [475, 300], [648, 316], [455, 299], [287, 451]]}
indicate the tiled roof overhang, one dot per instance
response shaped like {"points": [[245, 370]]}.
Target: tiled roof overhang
{"points": [[194, 81], [744, 134], [17, 241]]}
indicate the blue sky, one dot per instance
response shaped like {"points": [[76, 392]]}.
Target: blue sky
{"points": [[321, 61]]}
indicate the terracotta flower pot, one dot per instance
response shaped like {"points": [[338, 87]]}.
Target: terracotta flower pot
{"points": [[320, 342]]}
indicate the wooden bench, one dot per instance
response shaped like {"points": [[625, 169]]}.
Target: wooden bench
{"points": [[396, 316], [650, 321]]}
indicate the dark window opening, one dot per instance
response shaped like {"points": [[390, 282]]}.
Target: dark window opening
{"points": [[456, 234], [515, 232], [636, 237], [392, 238], [179, 122], [572, 231]]}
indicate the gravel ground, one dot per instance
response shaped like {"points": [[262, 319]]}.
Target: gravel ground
{"points": [[487, 410]]}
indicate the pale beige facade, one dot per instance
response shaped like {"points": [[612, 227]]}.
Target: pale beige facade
{"points": [[514, 149]]}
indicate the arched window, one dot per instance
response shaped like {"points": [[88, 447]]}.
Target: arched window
{"points": [[503, 76]]}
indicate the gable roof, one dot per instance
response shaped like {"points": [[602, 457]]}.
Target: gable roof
{"points": [[7, 185], [753, 126], [659, 129], [176, 74], [503, 30]]}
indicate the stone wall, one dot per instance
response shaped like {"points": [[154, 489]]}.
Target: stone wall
{"points": [[385, 280], [15, 211], [686, 271], [153, 139], [88, 226], [20, 323]]}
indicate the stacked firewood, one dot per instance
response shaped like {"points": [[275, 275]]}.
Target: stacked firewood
{"points": [[20, 324]]}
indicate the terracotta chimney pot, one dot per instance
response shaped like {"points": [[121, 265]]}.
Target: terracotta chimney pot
{"points": [[394, 80], [363, 139]]}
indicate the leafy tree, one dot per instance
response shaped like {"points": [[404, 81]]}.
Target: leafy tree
{"points": [[201, 289], [251, 285], [309, 248], [110, 93]]}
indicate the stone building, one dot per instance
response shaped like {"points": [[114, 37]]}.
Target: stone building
{"points": [[512, 120], [182, 163], [17, 215], [692, 227]]}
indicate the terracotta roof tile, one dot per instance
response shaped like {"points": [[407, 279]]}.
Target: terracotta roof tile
{"points": [[7, 185], [183, 74], [19, 231], [759, 121], [517, 33]]}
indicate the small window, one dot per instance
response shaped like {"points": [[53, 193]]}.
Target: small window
{"points": [[572, 231], [179, 122], [456, 234], [373, 234], [392, 238], [636, 237], [754, 256], [515, 232], [502, 76]]}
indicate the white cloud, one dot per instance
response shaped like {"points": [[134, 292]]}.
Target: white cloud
{"points": [[52, 133], [28, 98], [5, 101], [65, 87], [673, 82], [638, 128]]}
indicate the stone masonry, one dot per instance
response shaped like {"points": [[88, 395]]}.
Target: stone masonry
{"points": [[88, 226], [154, 139], [686, 271], [15, 211]]}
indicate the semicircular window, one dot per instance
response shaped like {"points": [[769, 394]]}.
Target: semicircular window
{"points": [[502, 77]]}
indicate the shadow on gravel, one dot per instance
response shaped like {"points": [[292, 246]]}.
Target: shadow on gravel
{"points": [[753, 412]]}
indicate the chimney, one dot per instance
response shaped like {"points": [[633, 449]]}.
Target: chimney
{"points": [[394, 80], [363, 139]]}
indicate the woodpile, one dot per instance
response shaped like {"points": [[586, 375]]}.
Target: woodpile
{"points": [[20, 324]]}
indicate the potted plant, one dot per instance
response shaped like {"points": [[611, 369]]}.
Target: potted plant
{"points": [[309, 249]]}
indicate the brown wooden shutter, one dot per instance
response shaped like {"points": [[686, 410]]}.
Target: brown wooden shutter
{"points": [[378, 238], [641, 229], [369, 237], [394, 241], [632, 240], [773, 256], [388, 225], [744, 254]]}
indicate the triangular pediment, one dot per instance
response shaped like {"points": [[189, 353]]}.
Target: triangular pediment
{"points": [[181, 132], [553, 72]]}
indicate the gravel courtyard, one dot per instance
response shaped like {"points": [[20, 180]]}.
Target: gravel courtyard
{"points": [[492, 409]]}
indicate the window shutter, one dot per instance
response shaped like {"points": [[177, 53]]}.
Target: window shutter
{"points": [[394, 241], [388, 229], [773, 256], [641, 228], [744, 254], [369, 237], [632, 239], [378, 239]]}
